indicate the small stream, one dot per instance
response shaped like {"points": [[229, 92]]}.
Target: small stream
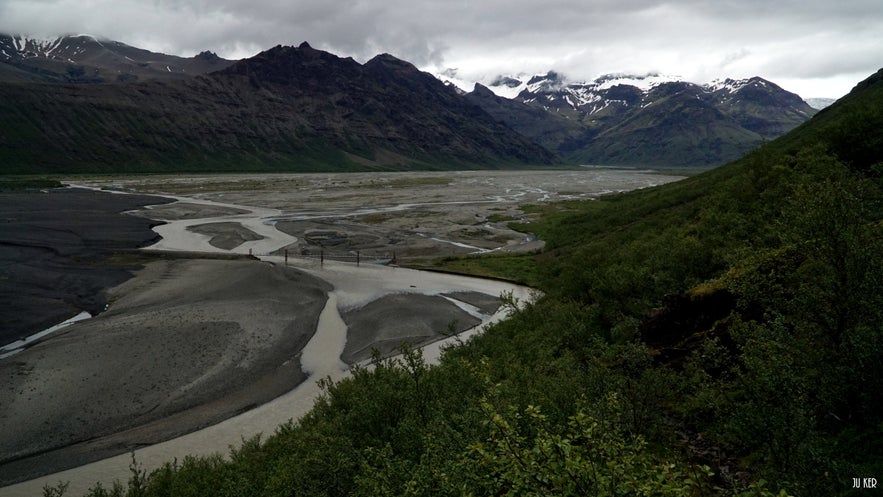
{"points": [[13, 348]]}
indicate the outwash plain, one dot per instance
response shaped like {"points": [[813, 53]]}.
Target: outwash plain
{"points": [[256, 287]]}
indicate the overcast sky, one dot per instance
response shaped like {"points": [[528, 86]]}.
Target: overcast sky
{"points": [[816, 48]]}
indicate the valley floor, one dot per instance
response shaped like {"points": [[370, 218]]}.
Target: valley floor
{"points": [[191, 341]]}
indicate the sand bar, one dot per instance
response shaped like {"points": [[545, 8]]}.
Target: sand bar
{"points": [[185, 344], [353, 288]]}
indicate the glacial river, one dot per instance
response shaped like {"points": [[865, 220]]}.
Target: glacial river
{"points": [[449, 209]]}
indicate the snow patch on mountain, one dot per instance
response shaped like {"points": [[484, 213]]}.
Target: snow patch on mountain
{"points": [[644, 82], [819, 103], [34, 47], [575, 93], [59, 47], [729, 85], [555, 88]]}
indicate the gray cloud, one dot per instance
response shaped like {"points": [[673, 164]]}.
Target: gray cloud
{"points": [[809, 40]]}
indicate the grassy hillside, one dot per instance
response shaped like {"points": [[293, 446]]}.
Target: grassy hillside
{"points": [[850, 130], [716, 336]]}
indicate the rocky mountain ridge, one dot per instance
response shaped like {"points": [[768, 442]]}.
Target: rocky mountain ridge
{"points": [[650, 119], [285, 109], [384, 113], [82, 58]]}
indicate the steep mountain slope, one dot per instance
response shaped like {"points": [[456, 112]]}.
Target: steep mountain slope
{"points": [[284, 109], [654, 119], [88, 59], [675, 127], [547, 129], [849, 128], [760, 106]]}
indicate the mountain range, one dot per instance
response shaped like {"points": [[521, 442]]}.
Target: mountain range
{"points": [[88, 59], [285, 109], [651, 119], [79, 103]]}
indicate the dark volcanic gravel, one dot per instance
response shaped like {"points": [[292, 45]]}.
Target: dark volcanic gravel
{"points": [[53, 247]]}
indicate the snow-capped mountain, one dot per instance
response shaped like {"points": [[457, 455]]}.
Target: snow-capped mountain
{"points": [[581, 93], [69, 48], [83, 58], [650, 119], [647, 120], [511, 86], [552, 92]]}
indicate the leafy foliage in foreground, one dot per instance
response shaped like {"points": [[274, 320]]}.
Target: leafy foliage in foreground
{"points": [[701, 338], [396, 429]]}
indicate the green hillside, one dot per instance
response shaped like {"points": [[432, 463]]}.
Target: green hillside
{"points": [[716, 336], [850, 130]]}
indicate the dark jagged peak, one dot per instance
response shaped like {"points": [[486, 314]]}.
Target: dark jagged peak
{"points": [[302, 65], [283, 54], [550, 76], [207, 56], [549, 81], [482, 91], [392, 71], [390, 62]]}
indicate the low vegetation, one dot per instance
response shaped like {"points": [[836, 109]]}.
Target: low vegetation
{"points": [[14, 183], [716, 336]]}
